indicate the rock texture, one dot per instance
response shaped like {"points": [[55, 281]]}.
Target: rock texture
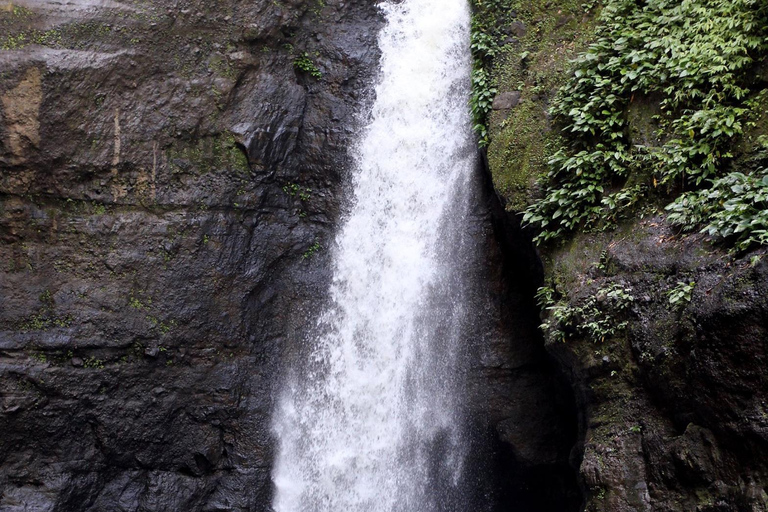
{"points": [[170, 178], [672, 408], [521, 402]]}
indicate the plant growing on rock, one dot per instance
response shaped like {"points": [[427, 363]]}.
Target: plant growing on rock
{"points": [[481, 102], [484, 48], [598, 316], [311, 251], [681, 294], [734, 208], [696, 57], [304, 64]]}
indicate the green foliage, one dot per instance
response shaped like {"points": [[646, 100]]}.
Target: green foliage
{"points": [[137, 303], [695, 56], [207, 154], [311, 251], [13, 42], [681, 294], [733, 209], [545, 297], [485, 32], [160, 325], [46, 298], [13, 13], [304, 63], [596, 317], [293, 190], [481, 102], [44, 318]]}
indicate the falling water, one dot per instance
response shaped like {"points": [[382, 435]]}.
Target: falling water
{"points": [[372, 421]]}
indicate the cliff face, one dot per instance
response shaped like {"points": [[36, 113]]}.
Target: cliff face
{"points": [[673, 404], [170, 180], [661, 334]]}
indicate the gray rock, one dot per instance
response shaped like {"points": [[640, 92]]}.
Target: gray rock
{"points": [[506, 100], [144, 191], [518, 29], [164, 224]]}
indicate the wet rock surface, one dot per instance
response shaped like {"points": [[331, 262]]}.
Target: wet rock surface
{"points": [[522, 410], [672, 407], [170, 179], [520, 394]]}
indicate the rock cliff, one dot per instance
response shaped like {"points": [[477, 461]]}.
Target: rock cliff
{"points": [[661, 333], [171, 175]]}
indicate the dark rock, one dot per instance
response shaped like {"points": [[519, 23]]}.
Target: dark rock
{"points": [[142, 166], [506, 100], [145, 171], [562, 21], [518, 29], [680, 407]]}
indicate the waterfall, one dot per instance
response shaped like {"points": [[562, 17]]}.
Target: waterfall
{"points": [[373, 420]]}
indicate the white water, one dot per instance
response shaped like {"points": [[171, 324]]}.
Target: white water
{"points": [[372, 421]]}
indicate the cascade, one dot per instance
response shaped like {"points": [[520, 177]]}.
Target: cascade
{"points": [[372, 419]]}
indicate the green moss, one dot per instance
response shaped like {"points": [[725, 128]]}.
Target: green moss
{"points": [[12, 13], [12, 18], [222, 67], [536, 64], [75, 36], [519, 152], [44, 320], [642, 121], [93, 363], [164, 327], [207, 154]]}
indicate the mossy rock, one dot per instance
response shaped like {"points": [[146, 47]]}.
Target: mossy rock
{"points": [[207, 154], [533, 60], [518, 154]]}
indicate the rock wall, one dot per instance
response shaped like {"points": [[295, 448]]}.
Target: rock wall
{"points": [[672, 396], [673, 406], [169, 181], [171, 175]]}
